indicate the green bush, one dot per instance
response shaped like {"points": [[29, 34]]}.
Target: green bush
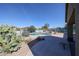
{"points": [[9, 41]]}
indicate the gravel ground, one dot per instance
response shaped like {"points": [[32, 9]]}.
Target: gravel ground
{"points": [[23, 51]]}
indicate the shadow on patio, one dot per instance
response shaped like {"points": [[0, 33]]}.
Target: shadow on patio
{"points": [[50, 46]]}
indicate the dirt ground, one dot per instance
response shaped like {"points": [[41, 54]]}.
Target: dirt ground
{"points": [[23, 51]]}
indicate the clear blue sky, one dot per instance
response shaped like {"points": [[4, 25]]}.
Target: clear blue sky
{"points": [[32, 14]]}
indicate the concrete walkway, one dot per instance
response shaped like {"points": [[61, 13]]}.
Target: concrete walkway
{"points": [[51, 46]]}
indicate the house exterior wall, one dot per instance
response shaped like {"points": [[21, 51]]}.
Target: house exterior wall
{"points": [[70, 10], [39, 31], [69, 13], [77, 28]]}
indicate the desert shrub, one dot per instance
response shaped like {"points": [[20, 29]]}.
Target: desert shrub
{"points": [[9, 41]]}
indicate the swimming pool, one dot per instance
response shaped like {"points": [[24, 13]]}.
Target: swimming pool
{"points": [[40, 34]]}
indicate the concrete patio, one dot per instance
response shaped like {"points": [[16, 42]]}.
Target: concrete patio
{"points": [[51, 46]]}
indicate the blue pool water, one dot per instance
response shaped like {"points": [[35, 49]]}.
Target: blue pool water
{"points": [[40, 34]]}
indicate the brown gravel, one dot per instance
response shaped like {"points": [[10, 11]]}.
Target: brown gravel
{"points": [[23, 51]]}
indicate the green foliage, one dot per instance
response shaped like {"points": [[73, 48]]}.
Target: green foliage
{"points": [[45, 27], [31, 28], [8, 39]]}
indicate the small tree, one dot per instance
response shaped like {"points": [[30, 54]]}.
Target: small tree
{"points": [[45, 27], [31, 28]]}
